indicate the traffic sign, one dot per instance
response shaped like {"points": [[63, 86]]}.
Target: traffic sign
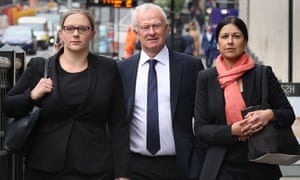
{"points": [[113, 3]]}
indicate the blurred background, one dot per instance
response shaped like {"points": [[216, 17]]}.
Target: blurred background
{"points": [[273, 27], [272, 24]]}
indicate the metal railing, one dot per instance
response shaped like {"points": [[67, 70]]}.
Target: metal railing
{"points": [[12, 60]]}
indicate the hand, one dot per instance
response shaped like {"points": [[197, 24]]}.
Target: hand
{"points": [[242, 129], [236, 128], [256, 120], [121, 178], [44, 86]]}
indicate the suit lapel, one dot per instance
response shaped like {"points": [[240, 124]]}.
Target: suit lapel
{"points": [[211, 168], [175, 78], [130, 85], [92, 79], [53, 74], [217, 94], [248, 86]]}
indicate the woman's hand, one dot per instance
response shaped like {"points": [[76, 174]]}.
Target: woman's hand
{"points": [[237, 128], [253, 122], [44, 86], [259, 119]]}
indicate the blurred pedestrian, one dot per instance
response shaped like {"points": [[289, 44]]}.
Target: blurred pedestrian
{"points": [[222, 93], [82, 132], [175, 42], [209, 46], [159, 86], [181, 43], [57, 43], [211, 4], [130, 42], [188, 43], [193, 31], [197, 14]]}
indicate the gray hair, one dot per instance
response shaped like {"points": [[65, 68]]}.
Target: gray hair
{"points": [[146, 7]]}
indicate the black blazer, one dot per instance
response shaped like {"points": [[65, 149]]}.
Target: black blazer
{"points": [[94, 150], [210, 121], [183, 76]]}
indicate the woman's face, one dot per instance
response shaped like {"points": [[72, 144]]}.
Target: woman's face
{"points": [[231, 43], [77, 39]]}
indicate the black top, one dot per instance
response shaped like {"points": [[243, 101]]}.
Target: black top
{"points": [[71, 87], [72, 93], [84, 132]]}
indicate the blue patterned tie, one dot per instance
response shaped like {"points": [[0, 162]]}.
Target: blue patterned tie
{"points": [[153, 144]]}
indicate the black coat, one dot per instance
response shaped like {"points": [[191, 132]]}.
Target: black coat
{"points": [[210, 122], [95, 150]]}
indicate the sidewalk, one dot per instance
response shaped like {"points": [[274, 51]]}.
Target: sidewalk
{"points": [[290, 172]]}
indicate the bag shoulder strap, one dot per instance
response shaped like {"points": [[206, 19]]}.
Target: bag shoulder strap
{"points": [[265, 87], [46, 63], [262, 82]]}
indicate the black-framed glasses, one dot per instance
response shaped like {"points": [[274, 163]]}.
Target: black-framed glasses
{"points": [[80, 29]]}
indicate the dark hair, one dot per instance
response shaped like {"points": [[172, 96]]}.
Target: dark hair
{"points": [[235, 21]]}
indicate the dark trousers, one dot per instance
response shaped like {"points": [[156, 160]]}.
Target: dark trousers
{"points": [[31, 174], [153, 168], [209, 59]]}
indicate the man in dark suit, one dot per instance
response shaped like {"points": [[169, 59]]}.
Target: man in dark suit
{"points": [[166, 106]]}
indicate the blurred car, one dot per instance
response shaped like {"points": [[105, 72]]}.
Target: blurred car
{"points": [[20, 36], [53, 20], [40, 29]]}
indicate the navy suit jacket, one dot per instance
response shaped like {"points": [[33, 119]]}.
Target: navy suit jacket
{"points": [[183, 76]]}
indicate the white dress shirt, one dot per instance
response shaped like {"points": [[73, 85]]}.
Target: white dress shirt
{"points": [[138, 128]]}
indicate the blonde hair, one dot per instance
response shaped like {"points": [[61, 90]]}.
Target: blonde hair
{"points": [[192, 25], [79, 11]]}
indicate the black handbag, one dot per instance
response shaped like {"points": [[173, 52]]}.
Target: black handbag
{"points": [[273, 144], [18, 130]]}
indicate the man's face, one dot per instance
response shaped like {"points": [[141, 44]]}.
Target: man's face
{"points": [[151, 31]]}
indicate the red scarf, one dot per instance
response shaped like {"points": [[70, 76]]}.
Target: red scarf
{"points": [[234, 101]]}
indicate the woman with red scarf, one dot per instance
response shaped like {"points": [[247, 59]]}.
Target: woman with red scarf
{"points": [[222, 93]]}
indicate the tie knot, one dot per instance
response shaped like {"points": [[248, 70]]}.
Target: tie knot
{"points": [[152, 62]]}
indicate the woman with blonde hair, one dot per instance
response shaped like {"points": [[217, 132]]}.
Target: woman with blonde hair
{"points": [[82, 132]]}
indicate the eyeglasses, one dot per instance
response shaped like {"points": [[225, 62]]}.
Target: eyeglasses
{"points": [[147, 27], [80, 29]]}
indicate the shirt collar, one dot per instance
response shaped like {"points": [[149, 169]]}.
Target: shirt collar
{"points": [[161, 57]]}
